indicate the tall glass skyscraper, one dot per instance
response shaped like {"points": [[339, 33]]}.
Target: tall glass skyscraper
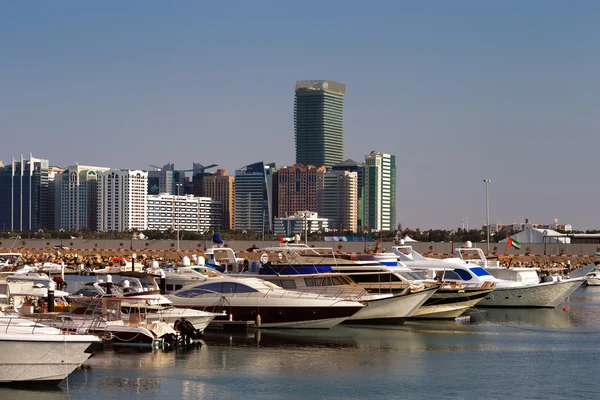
{"points": [[319, 122], [253, 198], [24, 195]]}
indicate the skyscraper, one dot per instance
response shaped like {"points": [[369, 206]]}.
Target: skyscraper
{"points": [[122, 200], [340, 200], [24, 195], [77, 197], [358, 167], [253, 197], [299, 188], [380, 192], [219, 186], [319, 122]]}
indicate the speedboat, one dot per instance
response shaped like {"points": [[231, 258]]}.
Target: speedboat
{"points": [[34, 353], [264, 303]]}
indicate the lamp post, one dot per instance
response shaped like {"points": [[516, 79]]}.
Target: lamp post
{"points": [[545, 234], [177, 214], [487, 214]]}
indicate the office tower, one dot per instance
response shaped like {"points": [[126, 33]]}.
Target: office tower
{"points": [[163, 180], [340, 200], [380, 192], [253, 198], [299, 188], [185, 213], [358, 167], [319, 122], [77, 200], [24, 195], [220, 187], [54, 197], [122, 204]]}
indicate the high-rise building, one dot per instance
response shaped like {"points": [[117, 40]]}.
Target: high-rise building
{"points": [[220, 187], [77, 200], [380, 192], [358, 167], [54, 197], [340, 200], [299, 188], [186, 213], [24, 195], [319, 122], [122, 204], [300, 223], [163, 180], [253, 198]]}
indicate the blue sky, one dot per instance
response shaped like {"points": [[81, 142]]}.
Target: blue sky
{"points": [[459, 91]]}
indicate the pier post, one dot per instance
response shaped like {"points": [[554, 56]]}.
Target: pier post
{"points": [[51, 287]]}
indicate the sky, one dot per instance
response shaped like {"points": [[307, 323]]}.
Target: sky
{"points": [[459, 91]]}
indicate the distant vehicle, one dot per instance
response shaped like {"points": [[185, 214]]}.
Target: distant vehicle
{"points": [[60, 247]]}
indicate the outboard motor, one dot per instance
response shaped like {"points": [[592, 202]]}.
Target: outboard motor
{"points": [[187, 330]]}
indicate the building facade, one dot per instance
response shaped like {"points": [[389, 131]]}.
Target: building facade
{"points": [[220, 187], [340, 200], [380, 192], [358, 167], [253, 210], [300, 223], [299, 187], [122, 204], [24, 195], [319, 122], [76, 199], [184, 213]]}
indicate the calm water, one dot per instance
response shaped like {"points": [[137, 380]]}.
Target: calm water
{"points": [[540, 354]]}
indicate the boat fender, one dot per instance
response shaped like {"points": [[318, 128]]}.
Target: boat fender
{"points": [[258, 321]]}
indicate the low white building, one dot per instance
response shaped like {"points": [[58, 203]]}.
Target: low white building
{"points": [[300, 222], [534, 235], [185, 213]]}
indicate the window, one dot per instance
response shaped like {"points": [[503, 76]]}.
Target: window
{"points": [[454, 276], [479, 271], [463, 274]]}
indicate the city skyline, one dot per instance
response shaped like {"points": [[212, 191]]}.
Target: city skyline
{"points": [[458, 92]]}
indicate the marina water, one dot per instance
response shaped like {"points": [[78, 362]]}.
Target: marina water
{"points": [[502, 353]]}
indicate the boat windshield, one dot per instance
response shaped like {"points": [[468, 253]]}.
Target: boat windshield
{"points": [[479, 271], [411, 276]]}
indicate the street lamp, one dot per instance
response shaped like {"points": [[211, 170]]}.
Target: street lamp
{"points": [[176, 213], [487, 214], [545, 234]]}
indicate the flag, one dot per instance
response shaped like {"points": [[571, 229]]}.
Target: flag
{"points": [[286, 239], [513, 243]]}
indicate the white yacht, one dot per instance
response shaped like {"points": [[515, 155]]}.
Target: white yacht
{"points": [[593, 277], [368, 271], [31, 352], [268, 305], [515, 286]]}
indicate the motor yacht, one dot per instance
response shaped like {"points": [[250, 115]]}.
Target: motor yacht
{"points": [[268, 305], [449, 301], [515, 286], [31, 352]]}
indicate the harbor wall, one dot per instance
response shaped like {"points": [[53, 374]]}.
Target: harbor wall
{"points": [[439, 248]]}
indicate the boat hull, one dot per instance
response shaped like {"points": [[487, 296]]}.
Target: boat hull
{"points": [[391, 310], [49, 362], [317, 317], [450, 303], [543, 295]]}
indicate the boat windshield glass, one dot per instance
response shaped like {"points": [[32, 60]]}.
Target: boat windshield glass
{"points": [[479, 271], [411, 276], [464, 275]]}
